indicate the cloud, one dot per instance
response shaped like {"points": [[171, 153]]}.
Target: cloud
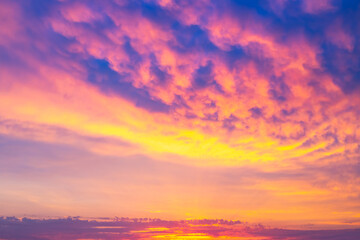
{"points": [[316, 7], [108, 80]]}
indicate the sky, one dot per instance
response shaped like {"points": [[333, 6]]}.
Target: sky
{"points": [[178, 109]]}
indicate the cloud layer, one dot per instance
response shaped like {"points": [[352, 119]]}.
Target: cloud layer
{"points": [[256, 97]]}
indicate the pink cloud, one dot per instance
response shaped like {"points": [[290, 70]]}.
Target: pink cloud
{"points": [[317, 6], [338, 35]]}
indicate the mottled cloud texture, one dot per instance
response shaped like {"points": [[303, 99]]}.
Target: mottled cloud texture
{"points": [[219, 109]]}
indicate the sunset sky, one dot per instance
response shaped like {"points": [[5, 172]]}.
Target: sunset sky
{"points": [[181, 109]]}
